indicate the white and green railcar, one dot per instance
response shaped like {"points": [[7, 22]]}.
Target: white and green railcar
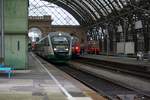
{"points": [[56, 46]]}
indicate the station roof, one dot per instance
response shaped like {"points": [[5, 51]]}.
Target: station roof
{"points": [[88, 12]]}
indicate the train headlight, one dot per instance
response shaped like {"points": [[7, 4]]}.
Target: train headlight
{"points": [[55, 49], [59, 34], [66, 49]]}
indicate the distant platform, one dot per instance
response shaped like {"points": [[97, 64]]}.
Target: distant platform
{"points": [[124, 60]]}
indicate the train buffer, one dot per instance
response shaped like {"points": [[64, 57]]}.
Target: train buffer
{"points": [[6, 69]]}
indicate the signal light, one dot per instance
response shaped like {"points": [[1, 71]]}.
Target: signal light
{"points": [[76, 48]]}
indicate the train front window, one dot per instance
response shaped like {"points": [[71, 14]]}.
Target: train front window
{"points": [[60, 40]]}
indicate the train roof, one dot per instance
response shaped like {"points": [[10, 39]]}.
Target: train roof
{"points": [[55, 34]]}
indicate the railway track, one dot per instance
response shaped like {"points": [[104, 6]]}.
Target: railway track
{"points": [[108, 89], [140, 71]]}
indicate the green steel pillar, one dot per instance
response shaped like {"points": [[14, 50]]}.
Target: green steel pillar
{"points": [[15, 29], [1, 31]]}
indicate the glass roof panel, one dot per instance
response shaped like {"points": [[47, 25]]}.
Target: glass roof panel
{"points": [[58, 14]]}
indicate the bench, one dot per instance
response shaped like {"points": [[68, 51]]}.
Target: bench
{"points": [[6, 69]]}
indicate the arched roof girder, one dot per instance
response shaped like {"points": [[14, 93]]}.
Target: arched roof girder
{"points": [[102, 7], [75, 13], [80, 17], [96, 7], [112, 5], [87, 5], [83, 11], [109, 8], [80, 7], [90, 11], [83, 7], [118, 3]]}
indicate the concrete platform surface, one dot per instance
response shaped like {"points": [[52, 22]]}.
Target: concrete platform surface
{"points": [[39, 83]]}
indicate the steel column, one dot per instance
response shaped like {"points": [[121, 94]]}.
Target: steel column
{"points": [[2, 31]]}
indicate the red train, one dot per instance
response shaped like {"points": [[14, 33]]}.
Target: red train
{"points": [[75, 46], [93, 47]]}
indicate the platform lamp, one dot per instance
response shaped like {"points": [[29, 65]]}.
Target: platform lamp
{"points": [[2, 31]]}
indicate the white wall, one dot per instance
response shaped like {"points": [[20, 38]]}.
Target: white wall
{"points": [[127, 47]]}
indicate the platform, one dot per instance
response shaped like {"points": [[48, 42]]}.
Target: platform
{"points": [[41, 82], [124, 60]]}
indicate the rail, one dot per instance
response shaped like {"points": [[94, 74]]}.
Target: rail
{"points": [[103, 86]]}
